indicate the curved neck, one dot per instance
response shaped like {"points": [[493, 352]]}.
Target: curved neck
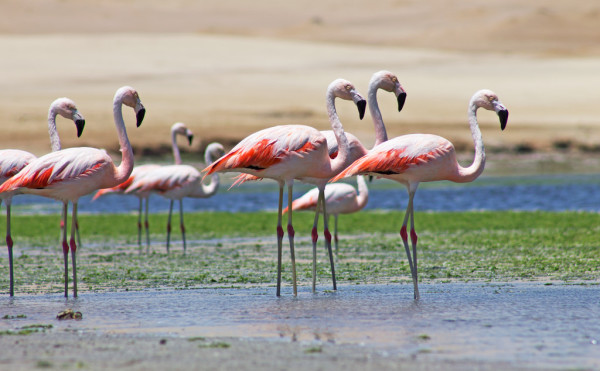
{"points": [[339, 162], [380, 132], [212, 187], [471, 173], [54, 138], [124, 169], [363, 191], [176, 154]]}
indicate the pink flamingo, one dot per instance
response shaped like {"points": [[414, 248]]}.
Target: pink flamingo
{"points": [[68, 174], [175, 182], [380, 80], [340, 198], [13, 160], [415, 158], [138, 172], [289, 152]]}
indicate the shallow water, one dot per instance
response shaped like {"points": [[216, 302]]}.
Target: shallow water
{"points": [[526, 193], [554, 326]]}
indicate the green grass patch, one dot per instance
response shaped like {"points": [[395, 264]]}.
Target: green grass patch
{"points": [[238, 249]]}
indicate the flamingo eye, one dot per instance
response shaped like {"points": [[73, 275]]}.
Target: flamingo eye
{"points": [[394, 79], [348, 87], [491, 98]]}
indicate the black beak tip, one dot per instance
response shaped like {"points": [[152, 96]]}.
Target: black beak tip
{"points": [[362, 105], [503, 115], [80, 124], [401, 100], [190, 139], [140, 116]]}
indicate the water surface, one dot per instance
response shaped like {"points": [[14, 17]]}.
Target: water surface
{"points": [[554, 326]]}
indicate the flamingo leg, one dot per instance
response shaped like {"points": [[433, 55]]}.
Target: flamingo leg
{"points": [[335, 233], [328, 237], [139, 225], [169, 226], [74, 247], [77, 231], [413, 239], [315, 237], [65, 247], [291, 234], [181, 224], [404, 235], [279, 238], [9, 245], [147, 226]]}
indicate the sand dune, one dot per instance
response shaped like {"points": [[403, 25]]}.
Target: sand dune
{"points": [[228, 68]]}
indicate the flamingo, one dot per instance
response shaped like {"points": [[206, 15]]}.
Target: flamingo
{"points": [[287, 152], [68, 174], [13, 160], [379, 80], [175, 182], [340, 198], [415, 158], [178, 128]]}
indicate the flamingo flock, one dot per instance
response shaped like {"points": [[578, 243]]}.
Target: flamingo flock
{"points": [[284, 153]]}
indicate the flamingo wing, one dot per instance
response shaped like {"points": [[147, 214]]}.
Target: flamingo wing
{"points": [[398, 155], [268, 147], [59, 166], [137, 172], [12, 161], [165, 179]]}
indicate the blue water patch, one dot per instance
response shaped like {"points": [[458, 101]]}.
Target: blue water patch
{"points": [[525, 193]]}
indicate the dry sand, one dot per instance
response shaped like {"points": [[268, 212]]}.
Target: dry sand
{"points": [[230, 67]]}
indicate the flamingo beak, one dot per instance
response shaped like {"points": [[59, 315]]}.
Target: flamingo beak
{"points": [[401, 99], [80, 123], [503, 115], [190, 139], [139, 115], [362, 105]]}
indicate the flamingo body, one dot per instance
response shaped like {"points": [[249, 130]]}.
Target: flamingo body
{"points": [[415, 158], [287, 152], [68, 174]]}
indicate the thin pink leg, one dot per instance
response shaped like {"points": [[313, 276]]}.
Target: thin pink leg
{"points": [[9, 245], [182, 225], [315, 237], [169, 226], [291, 234], [65, 247], [279, 238], [328, 238], [74, 248]]}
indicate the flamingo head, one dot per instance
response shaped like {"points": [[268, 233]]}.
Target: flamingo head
{"points": [[214, 151], [129, 97], [67, 109], [179, 128], [389, 82], [489, 100], [344, 89]]}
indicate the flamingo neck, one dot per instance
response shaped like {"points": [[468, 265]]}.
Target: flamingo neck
{"points": [[339, 162], [124, 169], [471, 173], [363, 191], [54, 138], [176, 154], [380, 132], [212, 187]]}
